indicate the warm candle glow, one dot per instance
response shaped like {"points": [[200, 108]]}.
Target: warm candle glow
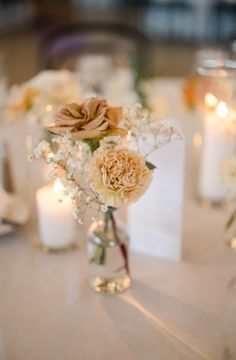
{"points": [[197, 139], [128, 136], [210, 100], [219, 144], [56, 225], [233, 243], [222, 109], [58, 187], [49, 108]]}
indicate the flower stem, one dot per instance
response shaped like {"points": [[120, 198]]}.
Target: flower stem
{"points": [[122, 246]]}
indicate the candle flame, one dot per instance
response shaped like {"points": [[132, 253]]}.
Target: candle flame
{"points": [[49, 108], [210, 100], [222, 109], [128, 136], [58, 187]]}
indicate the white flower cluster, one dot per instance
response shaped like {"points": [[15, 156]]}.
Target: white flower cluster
{"points": [[68, 160], [42, 149], [116, 141], [146, 132]]}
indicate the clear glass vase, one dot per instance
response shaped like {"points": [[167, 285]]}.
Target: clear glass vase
{"points": [[108, 255], [230, 232]]}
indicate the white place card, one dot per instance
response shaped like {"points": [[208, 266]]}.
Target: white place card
{"points": [[155, 221]]}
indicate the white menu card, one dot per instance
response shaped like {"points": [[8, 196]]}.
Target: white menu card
{"points": [[155, 221]]}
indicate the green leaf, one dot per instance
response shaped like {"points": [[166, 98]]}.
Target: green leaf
{"points": [[150, 165], [93, 144], [107, 217]]}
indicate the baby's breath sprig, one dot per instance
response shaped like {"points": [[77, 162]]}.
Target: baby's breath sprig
{"points": [[68, 162]]}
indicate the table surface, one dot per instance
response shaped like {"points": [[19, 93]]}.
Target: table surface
{"points": [[184, 310]]}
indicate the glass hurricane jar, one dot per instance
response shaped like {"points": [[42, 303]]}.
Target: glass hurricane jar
{"points": [[108, 255], [217, 130]]}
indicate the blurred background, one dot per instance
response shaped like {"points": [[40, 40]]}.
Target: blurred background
{"points": [[125, 51], [37, 34]]}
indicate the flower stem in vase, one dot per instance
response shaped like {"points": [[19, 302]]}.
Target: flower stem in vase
{"points": [[108, 255], [122, 246]]}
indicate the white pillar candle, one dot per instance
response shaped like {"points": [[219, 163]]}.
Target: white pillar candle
{"points": [[55, 221], [218, 146]]}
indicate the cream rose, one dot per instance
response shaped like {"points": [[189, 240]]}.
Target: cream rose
{"points": [[92, 119], [119, 176], [49, 87], [57, 86], [21, 99]]}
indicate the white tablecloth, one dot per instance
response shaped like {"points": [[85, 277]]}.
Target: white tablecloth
{"points": [[173, 310]]}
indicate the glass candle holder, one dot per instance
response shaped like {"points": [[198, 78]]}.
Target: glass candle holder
{"points": [[55, 230], [217, 109], [56, 226]]}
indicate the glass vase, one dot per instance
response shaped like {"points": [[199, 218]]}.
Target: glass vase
{"points": [[108, 255], [230, 231]]}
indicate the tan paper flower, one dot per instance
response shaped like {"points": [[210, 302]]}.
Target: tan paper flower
{"points": [[119, 176], [92, 119]]}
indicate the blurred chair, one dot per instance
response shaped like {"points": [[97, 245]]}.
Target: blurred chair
{"points": [[60, 47], [225, 15]]}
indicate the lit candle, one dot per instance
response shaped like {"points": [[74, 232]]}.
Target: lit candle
{"points": [[55, 221], [218, 145]]}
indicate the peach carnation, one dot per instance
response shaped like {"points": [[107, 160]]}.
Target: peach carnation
{"points": [[119, 176]]}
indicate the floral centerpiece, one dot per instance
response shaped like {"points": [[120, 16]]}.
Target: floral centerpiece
{"points": [[42, 94], [101, 159], [28, 109]]}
